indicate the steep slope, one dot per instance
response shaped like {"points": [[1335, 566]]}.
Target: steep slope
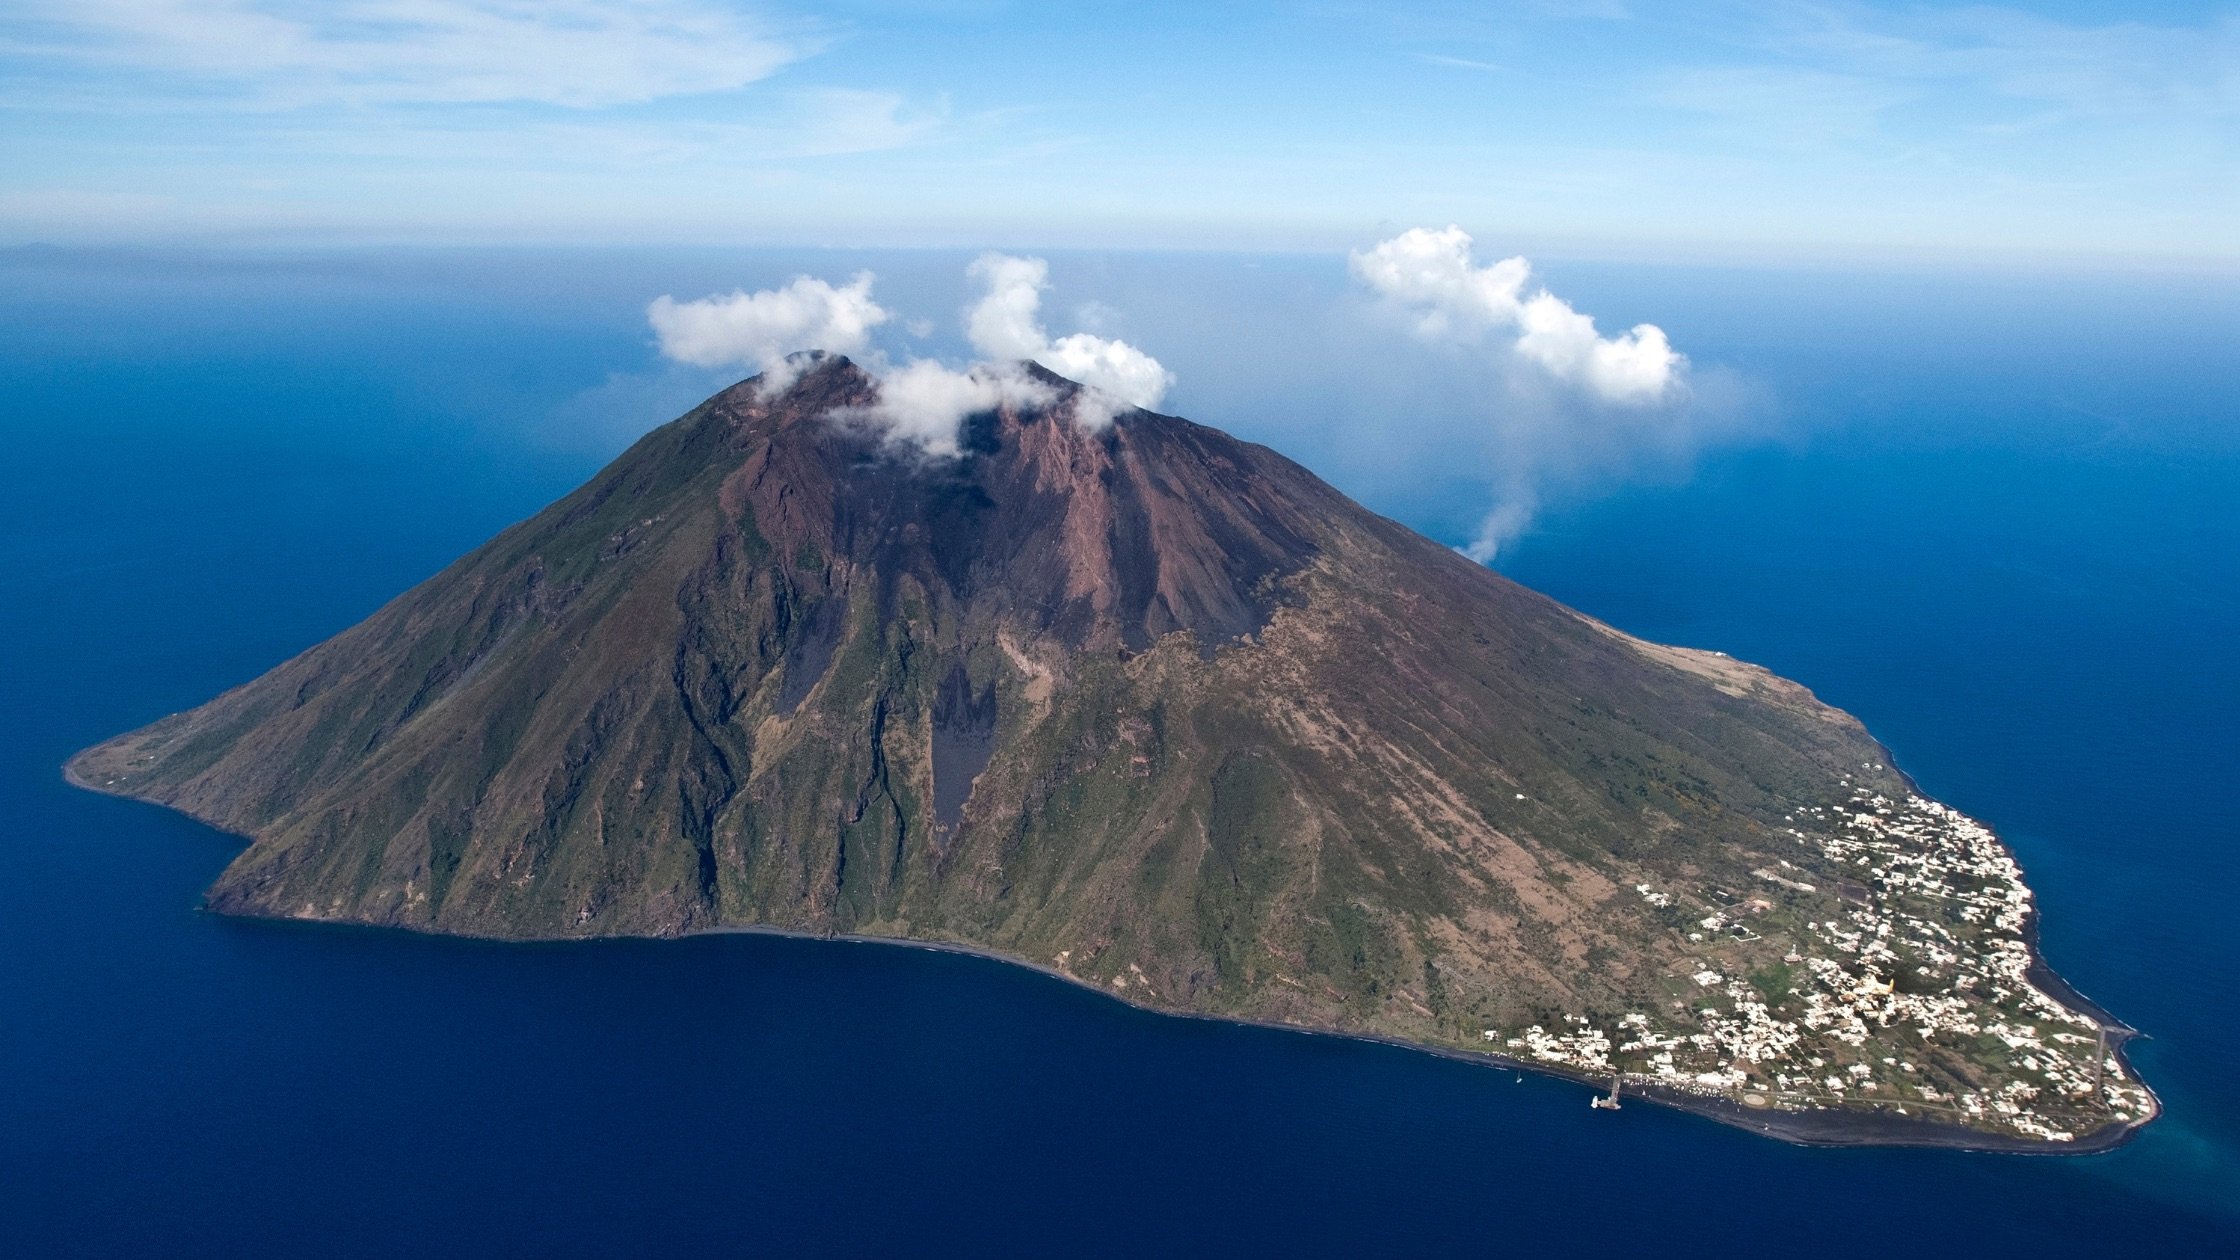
{"points": [[1158, 709]]}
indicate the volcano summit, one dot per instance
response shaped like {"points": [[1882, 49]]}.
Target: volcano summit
{"points": [[1158, 710]]}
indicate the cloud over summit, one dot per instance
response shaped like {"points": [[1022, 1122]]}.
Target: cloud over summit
{"points": [[1006, 323], [923, 402], [758, 330]]}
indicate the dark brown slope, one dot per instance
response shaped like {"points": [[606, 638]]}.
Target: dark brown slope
{"points": [[1150, 705]]}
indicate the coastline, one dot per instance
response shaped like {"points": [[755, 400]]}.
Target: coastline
{"points": [[1825, 1127], [1821, 1127]]}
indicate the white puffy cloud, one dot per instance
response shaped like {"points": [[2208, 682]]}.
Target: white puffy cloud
{"points": [[1120, 375], [1546, 408], [1006, 324], [1436, 275], [924, 404], [758, 330]]}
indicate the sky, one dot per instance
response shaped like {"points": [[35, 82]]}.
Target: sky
{"points": [[2060, 128]]}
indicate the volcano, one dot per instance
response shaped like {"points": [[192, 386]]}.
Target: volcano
{"points": [[1160, 711]]}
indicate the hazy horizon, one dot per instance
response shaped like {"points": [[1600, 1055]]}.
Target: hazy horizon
{"points": [[2046, 129]]}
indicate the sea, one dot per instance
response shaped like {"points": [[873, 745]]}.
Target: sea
{"points": [[1991, 507]]}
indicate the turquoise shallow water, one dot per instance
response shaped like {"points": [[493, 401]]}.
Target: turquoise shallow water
{"points": [[1994, 517]]}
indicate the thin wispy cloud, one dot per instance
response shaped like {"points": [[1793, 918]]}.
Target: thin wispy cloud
{"points": [[1822, 72], [780, 126], [2086, 69], [438, 116], [1904, 121], [1783, 106], [1505, 71], [295, 53]]}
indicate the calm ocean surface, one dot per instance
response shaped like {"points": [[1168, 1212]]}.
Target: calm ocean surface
{"points": [[1997, 518]]}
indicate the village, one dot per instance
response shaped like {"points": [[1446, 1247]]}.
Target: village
{"points": [[1903, 988]]}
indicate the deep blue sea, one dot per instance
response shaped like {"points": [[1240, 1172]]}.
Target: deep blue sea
{"points": [[1995, 514]]}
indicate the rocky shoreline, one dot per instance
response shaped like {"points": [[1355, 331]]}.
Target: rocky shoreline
{"points": [[1819, 1127], [1830, 1127]]}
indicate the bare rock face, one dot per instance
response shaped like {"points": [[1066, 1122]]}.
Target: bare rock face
{"points": [[1146, 704]]}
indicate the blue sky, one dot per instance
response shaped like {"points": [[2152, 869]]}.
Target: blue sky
{"points": [[2063, 128]]}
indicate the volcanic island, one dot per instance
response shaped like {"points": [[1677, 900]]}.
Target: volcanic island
{"points": [[1157, 710]]}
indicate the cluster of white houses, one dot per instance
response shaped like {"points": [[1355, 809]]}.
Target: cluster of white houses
{"points": [[1906, 988]]}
